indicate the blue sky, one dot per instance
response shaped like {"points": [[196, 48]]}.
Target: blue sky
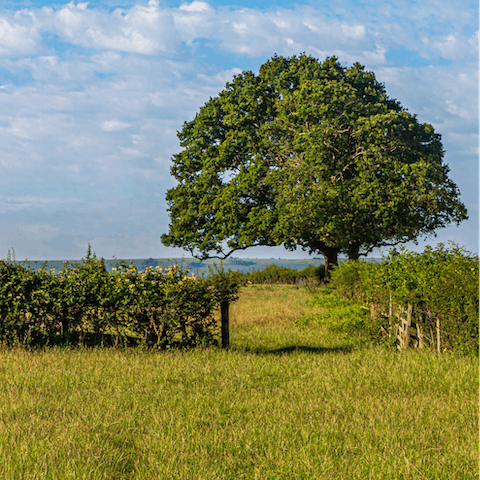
{"points": [[92, 94]]}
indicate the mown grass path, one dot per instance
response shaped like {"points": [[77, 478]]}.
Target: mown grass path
{"points": [[284, 403]]}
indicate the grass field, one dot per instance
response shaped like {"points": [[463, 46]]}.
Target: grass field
{"points": [[285, 402]]}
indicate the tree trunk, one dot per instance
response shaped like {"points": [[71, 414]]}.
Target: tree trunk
{"points": [[329, 253], [331, 258], [353, 252]]}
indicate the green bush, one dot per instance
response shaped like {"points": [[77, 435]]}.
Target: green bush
{"points": [[339, 315], [274, 274], [85, 304], [440, 283]]}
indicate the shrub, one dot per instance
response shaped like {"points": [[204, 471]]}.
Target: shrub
{"points": [[84, 303], [274, 274], [338, 314], [440, 283]]}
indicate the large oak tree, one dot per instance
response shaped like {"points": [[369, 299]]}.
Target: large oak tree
{"points": [[310, 154]]}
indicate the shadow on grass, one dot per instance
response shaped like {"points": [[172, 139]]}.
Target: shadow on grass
{"points": [[300, 348]]}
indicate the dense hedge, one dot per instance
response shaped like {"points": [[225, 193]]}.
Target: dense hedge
{"points": [[441, 284], [272, 273], [85, 304]]}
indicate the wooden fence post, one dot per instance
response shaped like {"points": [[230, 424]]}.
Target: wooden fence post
{"points": [[409, 324], [420, 335], [403, 329], [438, 335], [225, 324]]}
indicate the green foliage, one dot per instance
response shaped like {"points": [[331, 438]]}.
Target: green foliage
{"points": [[275, 274], [440, 283], [307, 154], [224, 285], [337, 314], [84, 303]]}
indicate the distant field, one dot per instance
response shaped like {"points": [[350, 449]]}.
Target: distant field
{"points": [[242, 265], [237, 264], [285, 402]]}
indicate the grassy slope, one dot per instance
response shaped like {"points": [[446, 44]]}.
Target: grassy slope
{"points": [[284, 403]]}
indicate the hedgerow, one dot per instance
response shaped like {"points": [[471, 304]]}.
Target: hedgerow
{"points": [[441, 285], [272, 274], [86, 304]]}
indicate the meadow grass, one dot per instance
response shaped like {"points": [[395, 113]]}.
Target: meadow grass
{"points": [[285, 402]]}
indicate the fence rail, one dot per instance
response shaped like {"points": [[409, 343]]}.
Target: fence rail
{"points": [[408, 331]]}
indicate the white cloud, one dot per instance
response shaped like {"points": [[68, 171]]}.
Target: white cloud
{"points": [[195, 20], [131, 152], [452, 46], [154, 29], [71, 21], [196, 6], [375, 57], [14, 203], [27, 128], [113, 125], [141, 29], [282, 23], [354, 31], [18, 35], [38, 229]]}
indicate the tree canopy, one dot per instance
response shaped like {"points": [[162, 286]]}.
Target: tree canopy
{"points": [[307, 154]]}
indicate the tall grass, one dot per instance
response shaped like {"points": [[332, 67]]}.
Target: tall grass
{"points": [[285, 402]]}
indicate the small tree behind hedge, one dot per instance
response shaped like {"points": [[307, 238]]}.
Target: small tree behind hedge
{"points": [[277, 274]]}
